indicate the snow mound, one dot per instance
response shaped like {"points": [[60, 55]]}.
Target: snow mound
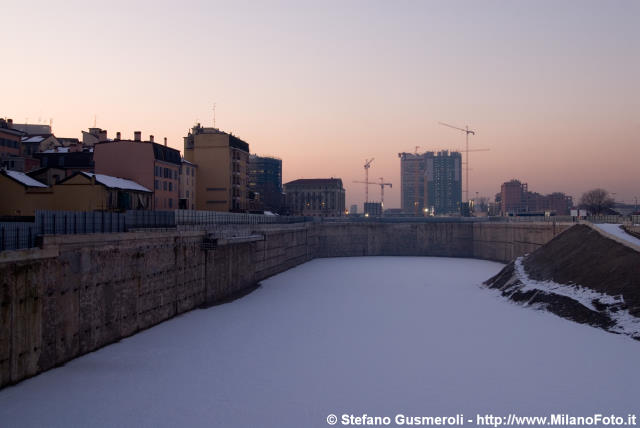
{"points": [[580, 275]]}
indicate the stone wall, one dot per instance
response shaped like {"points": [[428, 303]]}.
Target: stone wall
{"points": [[81, 292]]}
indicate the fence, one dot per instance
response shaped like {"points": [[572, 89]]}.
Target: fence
{"points": [[17, 235], [195, 218], [74, 222], [139, 219]]}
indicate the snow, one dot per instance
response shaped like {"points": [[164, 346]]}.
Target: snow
{"points": [[57, 150], [617, 231], [117, 182], [24, 179], [625, 322], [379, 335], [33, 139]]}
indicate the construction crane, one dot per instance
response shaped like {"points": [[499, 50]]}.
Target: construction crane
{"points": [[367, 165], [380, 183], [467, 131]]}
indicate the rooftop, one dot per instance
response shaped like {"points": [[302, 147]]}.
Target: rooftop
{"points": [[116, 182], [23, 179]]}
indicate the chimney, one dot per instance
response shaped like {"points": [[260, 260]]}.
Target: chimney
{"points": [[165, 141], [10, 122], [151, 138], [137, 136], [118, 136], [102, 136]]}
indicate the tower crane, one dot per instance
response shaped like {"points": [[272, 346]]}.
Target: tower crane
{"points": [[467, 131], [380, 183], [367, 165]]}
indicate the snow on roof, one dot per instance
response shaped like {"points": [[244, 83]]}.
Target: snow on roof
{"points": [[24, 179], [57, 150], [33, 139], [117, 182]]}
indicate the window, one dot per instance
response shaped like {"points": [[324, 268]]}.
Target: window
{"points": [[175, 174], [157, 185], [170, 186], [164, 185], [187, 194], [170, 203]]}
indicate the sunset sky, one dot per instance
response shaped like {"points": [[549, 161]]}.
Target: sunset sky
{"points": [[551, 87]]}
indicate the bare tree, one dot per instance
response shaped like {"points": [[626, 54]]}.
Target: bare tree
{"points": [[481, 204], [596, 201]]}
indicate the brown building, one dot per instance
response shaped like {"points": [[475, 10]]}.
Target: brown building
{"points": [[516, 199], [154, 166], [513, 197], [318, 197], [222, 173], [9, 139]]}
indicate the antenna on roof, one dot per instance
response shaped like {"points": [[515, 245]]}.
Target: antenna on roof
{"points": [[95, 118], [214, 115]]}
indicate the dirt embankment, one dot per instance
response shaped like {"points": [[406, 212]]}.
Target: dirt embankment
{"points": [[580, 275]]}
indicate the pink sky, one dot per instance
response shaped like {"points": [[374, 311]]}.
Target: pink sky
{"points": [[551, 87]]}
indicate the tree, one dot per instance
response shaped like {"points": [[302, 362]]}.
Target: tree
{"points": [[481, 204], [596, 201]]}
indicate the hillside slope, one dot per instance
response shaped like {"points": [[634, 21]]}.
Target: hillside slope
{"points": [[581, 275]]}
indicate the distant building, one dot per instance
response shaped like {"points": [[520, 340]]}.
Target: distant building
{"points": [[431, 182], [152, 165], [513, 197], [36, 143], [412, 189], [265, 179], [353, 209], [373, 209], [95, 136], [33, 128], [9, 139], [443, 182], [223, 169], [11, 149], [187, 186], [319, 197], [69, 162], [516, 199]]}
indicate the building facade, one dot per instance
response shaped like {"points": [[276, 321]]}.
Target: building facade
{"points": [[223, 169], [154, 166], [265, 180], [318, 197], [412, 190], [430, 182], [443, 182], [187, 186]]}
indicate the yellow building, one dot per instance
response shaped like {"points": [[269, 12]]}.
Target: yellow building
{"points": [[22, 195], [222, 173], [83, 191]]}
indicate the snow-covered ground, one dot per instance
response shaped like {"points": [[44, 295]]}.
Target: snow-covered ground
{"points": [[617, 231], [379, 335]]}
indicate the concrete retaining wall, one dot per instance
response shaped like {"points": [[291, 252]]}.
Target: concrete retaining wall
{"points": [[81, 292]]}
